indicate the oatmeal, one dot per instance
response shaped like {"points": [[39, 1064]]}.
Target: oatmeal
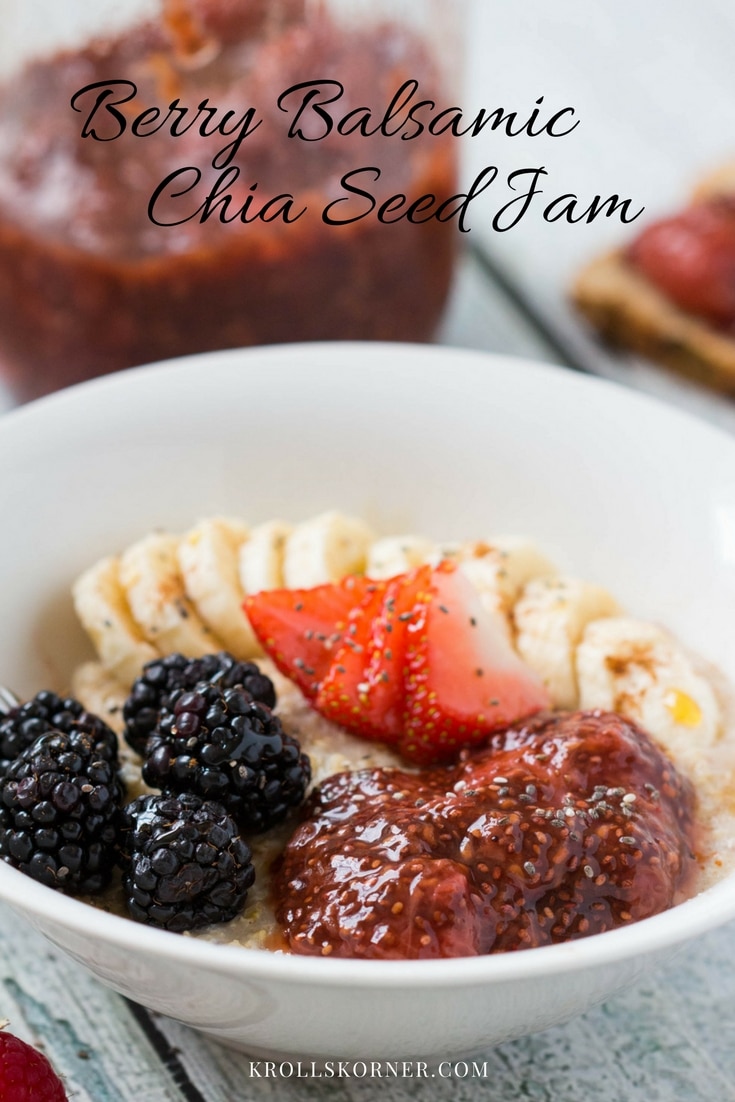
{"points": [[562, 643], [501, 753]]}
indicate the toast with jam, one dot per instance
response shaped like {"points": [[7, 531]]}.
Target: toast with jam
{"points": [[669, 295]]}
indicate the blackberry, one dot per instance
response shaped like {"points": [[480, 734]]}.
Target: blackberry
{"points": [[47, 712], [225, 746], [184, 862], [163, 676], [59, 802]]}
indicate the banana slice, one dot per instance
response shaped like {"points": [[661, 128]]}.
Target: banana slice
{"points": [[550, 618], [500, 568], [511, 561], [451, 551], [639, 670], [150, 575], [102, 608], [101, 693], [261, 557], [325, 549], [209, 564], [396, 555]]}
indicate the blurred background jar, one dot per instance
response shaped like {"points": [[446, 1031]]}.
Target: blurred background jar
{"points": [[178, 176]]}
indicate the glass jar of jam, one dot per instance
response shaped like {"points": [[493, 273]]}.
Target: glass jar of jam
{"points": [[190, 175]]}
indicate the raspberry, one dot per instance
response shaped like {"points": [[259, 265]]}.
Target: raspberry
{"points": [[224, 746], [26, 1075], [164, 676], [184, 862]]}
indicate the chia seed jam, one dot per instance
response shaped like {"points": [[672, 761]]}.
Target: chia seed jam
{"points": [[167, 231]]}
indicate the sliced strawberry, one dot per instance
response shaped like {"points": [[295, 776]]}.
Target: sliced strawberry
{"points": [[364, 689], [464, 679], [415, 661], [301, 629], [343, 692]]}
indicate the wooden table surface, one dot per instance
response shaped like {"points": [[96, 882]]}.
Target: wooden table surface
{"points": [[654, 85]]}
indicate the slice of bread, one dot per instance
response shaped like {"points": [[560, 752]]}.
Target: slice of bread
{"points": [[719, 182], [631, 313]]}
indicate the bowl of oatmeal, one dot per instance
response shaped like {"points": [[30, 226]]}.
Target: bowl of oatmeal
{"points": [[612, 590]]}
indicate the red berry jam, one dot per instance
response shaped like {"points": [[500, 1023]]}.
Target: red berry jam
{"points": [[96, 274], [690, 258], [564, 826]]}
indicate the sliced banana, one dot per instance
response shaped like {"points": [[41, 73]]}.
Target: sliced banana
{"points": [[512, 561], [150, 575], [101, 693], [209, 564], [639, 670], [261, 557], [500, 568], [102, 608], [164, 594], [550, 618], [325, 549], [451, 551], [396, 555]]}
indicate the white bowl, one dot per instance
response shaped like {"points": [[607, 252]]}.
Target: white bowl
{"points": [[616, 487]]}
